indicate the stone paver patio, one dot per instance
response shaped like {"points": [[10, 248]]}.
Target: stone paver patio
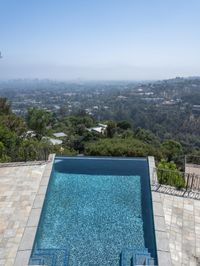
{"points": [[182, 218], [18, 188]]}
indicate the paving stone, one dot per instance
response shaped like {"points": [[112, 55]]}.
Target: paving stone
{"points": [[164, 258], [38, 202], [182, 218], [158, 209], [34, 217], [42, 190], [22, 258], [159, 223], [44, 181], [162, 241], [18, 187], [2, 262], [28, 238], [156, 196]]}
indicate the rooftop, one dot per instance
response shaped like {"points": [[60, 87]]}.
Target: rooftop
{"points": [[59, 135]]}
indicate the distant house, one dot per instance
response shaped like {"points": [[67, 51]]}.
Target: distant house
{"points": [[29, 134], [121, 97], [196, 108], [59, 135], [101, 128], [53, 141]]}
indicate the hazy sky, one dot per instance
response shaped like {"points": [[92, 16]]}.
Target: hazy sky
{"points": [[99, 39]]}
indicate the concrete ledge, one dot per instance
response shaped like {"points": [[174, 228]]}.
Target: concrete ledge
{"points": [[17, 164], [28, 238], [155, 196], [22, 258], [157, 208], [164, 258], [42, 190], [44, 181], [26, 244], [159, 222], [162, 240], [38, 202], [34, 217]]}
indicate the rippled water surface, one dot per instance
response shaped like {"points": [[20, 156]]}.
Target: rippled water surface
{"points": [[93, 216]]}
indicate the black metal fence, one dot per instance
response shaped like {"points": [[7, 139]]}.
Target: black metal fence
{"points": [[192, 159], [178, 179], [30, 154], [192, 182]]}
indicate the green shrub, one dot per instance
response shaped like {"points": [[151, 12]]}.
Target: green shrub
{"points": [[168, 174]]}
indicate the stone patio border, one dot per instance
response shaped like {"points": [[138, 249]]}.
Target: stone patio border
{"points": [[27, 241], [162, 240], [17, 164]]}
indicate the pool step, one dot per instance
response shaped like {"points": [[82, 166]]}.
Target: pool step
{"points": [[133, 257], [49, 257], [57, 257]]}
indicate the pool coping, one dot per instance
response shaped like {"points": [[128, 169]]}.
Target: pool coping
{"points": [[27, 241], [162, 239]]}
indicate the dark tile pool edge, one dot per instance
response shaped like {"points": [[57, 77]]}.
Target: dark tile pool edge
{"points": [[162, 240], [27, 241]]}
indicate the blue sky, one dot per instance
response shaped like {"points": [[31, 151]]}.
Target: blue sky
{"points": [[99, 39]]}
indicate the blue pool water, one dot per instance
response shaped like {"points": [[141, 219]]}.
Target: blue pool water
{"points": [[95, 209]]}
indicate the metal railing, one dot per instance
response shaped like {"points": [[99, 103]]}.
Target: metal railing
{"points": [[192, 159], [192, 182], [30, 154], [177, 179]]}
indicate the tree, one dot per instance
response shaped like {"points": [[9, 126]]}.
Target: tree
{"points": [[32, 149], [10, 141], [120, 147], [169, 174], [14, 123], [3, 156], [171, 149], [38, 120], [146, 135], [124, 125], [4, 106], [111, 129]]}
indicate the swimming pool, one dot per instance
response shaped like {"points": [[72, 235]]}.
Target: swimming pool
{"points": [[97, 211]]}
